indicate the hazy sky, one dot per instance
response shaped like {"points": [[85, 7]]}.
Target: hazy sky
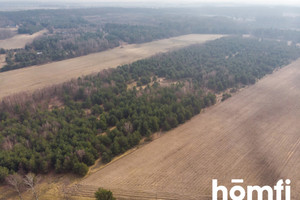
{"points": [[290, 2], [268, 2], [281, 2]]}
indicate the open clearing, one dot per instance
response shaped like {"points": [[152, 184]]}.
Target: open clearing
{"points": [[2, 60], [20, 40], [36, 77], [254, 135]]}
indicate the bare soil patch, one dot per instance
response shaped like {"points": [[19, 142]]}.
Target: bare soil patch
{"points": [[37, 77], [20, 40], [253, 135]]}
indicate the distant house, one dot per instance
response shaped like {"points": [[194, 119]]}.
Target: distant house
{"points": [[39, 53]]}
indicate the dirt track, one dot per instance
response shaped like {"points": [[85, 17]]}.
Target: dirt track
{"points": [[36, 77], [255, 136]]}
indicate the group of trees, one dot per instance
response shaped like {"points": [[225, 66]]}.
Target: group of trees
{"points": [[29, 28], [61, 46], [285, 35], [101, 116], [31, 21], [78, 32], [221, 64], [72, 34]]}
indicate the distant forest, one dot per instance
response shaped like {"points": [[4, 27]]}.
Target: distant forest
{"points": [[77, 32], [67, 127]]}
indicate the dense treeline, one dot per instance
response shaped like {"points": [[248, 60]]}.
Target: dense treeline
{"points": [[29, 28], [75, 32], [223, 63], [62, 46], [69, 44], [288, 35], [101, 116], [255, 16], [30, 21]]}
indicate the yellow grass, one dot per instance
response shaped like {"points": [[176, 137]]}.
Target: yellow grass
{"points": [[2, 60], [20, 40], [36, 77]]}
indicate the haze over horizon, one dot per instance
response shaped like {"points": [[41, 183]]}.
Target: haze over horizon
{"points": [[247, 2]]}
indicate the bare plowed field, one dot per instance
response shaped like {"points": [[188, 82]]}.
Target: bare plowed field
{"points": [[36, 77], [255, 136], [20, 40]]}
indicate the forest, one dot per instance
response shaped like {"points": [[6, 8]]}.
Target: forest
{"points": [[67, 127], [77, 32]]}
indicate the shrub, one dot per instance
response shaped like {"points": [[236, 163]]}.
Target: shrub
{"points": [[2, 51], [225, 96], [80, 169], [103, 194]]}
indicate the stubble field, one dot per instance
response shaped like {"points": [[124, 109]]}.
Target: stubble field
{"points": [[37, 77], [2, 60], [255, 136], [20, 40]]}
